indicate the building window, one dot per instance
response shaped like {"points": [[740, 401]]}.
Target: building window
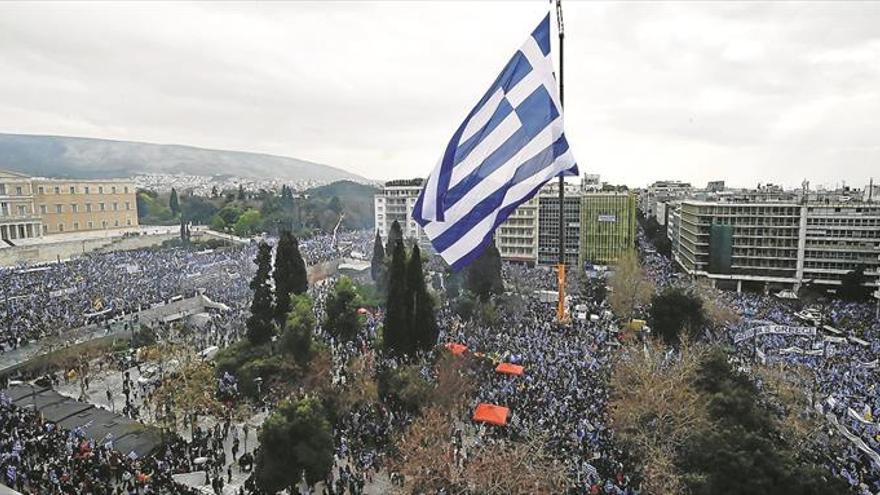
{"points": [[45, 229], [43, 209], [91, 225], [72, 189], [22, 210], [88, 207], [57, 190], [128, 222], [75, 225], [115, 206], [2, 189], [42, 190], [18, 190], [60, 227], [101, 206], [74, 208], [126, 189], [57, 208], [103, 224], [86, 189], [113, 189], [128, 205], [116, 223], [100, 189]]}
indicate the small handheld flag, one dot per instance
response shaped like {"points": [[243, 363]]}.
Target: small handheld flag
{"points": [[509, 145]]}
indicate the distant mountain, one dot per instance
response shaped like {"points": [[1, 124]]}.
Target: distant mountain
{"points": [[57, 156]]}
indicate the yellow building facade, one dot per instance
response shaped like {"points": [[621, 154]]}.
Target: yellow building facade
{"points": [[33, 207]]}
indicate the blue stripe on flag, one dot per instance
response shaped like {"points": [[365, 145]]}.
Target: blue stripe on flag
{"points": [[490, 203], [542, 35], [535, 113]]}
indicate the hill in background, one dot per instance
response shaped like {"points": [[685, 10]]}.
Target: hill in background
{"points": [[56, 156]]}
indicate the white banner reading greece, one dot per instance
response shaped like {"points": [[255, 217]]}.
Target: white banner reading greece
{"points": [[774, 330]]}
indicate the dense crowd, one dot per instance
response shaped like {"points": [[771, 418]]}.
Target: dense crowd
{"points": [[842, 364], [38, 457]]}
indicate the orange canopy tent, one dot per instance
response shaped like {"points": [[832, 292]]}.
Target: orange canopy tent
{"points": [[509, 369], [492, 414], [456, 349]]}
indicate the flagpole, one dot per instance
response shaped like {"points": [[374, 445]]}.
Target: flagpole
{"points": [[560, 307]]}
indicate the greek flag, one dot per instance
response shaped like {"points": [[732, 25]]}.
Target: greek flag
{"points": [[509, 146]]}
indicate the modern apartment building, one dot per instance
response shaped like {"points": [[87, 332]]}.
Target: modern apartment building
{"points": [[68, 205], [396, 202], [775, 244], [607, 226], [33, 207], [517, 238]]}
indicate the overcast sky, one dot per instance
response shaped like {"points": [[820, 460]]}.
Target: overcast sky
{"points": [[748, 92]]}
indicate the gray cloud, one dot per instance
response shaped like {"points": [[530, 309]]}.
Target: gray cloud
{"points": [[746, 92]]}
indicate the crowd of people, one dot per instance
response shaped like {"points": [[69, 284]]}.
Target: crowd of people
{"points": [[842, 364]]}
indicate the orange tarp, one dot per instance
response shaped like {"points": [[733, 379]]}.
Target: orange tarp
{"points": [[509, 369], [456, 349], [492, 414]]}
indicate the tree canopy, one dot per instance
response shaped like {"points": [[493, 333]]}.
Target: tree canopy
{"points": [[259, 324], [341, 318], [290, 273], [295, 440], [674, 311], [483, 275]]}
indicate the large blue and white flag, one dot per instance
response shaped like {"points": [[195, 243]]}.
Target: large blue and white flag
{"points": [[509, 145]]}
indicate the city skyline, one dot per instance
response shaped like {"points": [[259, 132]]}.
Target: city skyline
{"points": [[745, 93]]}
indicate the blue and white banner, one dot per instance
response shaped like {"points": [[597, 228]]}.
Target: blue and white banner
{"points": [[510, 145]]}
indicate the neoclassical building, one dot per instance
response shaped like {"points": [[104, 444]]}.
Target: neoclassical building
{"points": [[34, 207]]}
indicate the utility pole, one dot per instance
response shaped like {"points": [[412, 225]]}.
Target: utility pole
{"points": [[560, 308]]}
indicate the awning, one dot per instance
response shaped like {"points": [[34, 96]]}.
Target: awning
{"points": [[456, 349], [509, 369], [492, 414]]}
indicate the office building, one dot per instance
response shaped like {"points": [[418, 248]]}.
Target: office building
{"points": [[607, 226], [548, 224], [774, 245]]}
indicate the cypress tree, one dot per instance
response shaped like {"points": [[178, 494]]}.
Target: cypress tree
{"points": [[423, 325], [241, 192], [173, 202], [289, 275], [377, 264], [259, 323], [395, 333], [394, 234]]}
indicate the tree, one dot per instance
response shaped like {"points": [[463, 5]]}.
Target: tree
{"points": [[483, 277], [423, 324], [296, 339], [259, 323], [241, 196], [214, 192], [396, 337], [217, 224], [852, 285], [295, 440], [335, 205], [674, 311], [341, 318], [395, 233], [630, 288], [173, 202], [290, 273], [197, 210], [248, 223], [377, 264]]}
